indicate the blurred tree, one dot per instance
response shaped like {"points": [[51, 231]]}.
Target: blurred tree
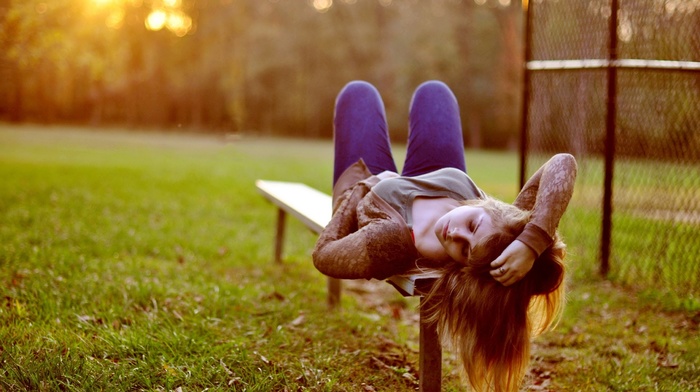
{"points": [[265, 66], [10, 97]]}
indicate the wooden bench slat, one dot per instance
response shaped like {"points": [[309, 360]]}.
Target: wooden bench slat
{"points": [[312, 207]]}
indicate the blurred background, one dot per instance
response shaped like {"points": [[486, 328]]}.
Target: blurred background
{"points": [[268, 67]]}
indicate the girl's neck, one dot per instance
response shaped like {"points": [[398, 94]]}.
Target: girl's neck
{"points": [[427, 210]]}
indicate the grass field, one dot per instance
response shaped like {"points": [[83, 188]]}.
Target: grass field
{"points": [[143, 261]]}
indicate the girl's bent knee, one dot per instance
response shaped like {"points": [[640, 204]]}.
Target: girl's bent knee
{"points": [[433, 86], [356, 89]]}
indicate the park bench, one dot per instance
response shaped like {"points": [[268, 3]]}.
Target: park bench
{"points": [[314, 209]]}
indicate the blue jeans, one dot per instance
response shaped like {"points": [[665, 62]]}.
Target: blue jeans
{"points": [[434, 132]]}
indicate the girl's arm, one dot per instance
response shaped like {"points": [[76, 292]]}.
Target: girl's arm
{"points": [[363, 241], [547, 194]]}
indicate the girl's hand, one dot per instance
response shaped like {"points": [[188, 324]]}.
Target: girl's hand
{"points": [[513, 264]]}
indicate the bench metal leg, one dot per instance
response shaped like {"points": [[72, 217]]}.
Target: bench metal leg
{"points": [[279, 235], [430, 357], [334, 287]]}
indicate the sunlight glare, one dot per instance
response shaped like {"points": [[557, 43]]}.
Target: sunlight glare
{"points": [[102, 3], [115, 20], [681, 6], [172, 3], [156, 20], [179, 23], [322, 5], [624, 28]]}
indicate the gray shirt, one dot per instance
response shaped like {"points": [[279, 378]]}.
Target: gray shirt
{"points": [[400, 192]]}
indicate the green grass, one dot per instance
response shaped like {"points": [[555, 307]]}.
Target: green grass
{"points": [[143, 261]]}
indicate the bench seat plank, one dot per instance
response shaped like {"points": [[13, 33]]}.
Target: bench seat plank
{"points": [[312, 207], [412, 285]]}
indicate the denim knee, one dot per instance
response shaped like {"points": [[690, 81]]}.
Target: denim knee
{"points": [[433, 89], [357, 89]]}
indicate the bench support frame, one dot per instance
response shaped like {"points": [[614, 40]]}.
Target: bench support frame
{"points": [[430, 356], [279, 234]]}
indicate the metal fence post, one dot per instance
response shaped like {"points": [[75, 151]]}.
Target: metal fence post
{"points": [[610, 139], [525, 118]]}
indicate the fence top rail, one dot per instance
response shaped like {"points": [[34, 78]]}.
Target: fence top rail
{"points": [[583, 64]]}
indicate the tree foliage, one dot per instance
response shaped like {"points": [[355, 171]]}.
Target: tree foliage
{"points": [[263, 66]]}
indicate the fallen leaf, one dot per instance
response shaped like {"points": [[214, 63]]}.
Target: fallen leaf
{"points": [[409, 377], [235, 380], [298, 321], [169, 369], [379, 363], [396, 312], [262, 358], [667, 361], [275, 295]]}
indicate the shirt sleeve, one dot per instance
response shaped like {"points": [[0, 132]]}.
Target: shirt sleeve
{"points": [[362, 240], [547, 194]]}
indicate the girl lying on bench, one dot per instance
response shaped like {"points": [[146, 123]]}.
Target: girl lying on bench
{"points": [[500, 265]]}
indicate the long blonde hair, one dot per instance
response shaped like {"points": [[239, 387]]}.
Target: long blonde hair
{"points": [[490, 325]]}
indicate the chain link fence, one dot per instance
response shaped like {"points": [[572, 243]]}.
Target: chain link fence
{"points": [[617, 84]]}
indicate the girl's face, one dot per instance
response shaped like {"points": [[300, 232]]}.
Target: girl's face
{"points": [[462, 228]]}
